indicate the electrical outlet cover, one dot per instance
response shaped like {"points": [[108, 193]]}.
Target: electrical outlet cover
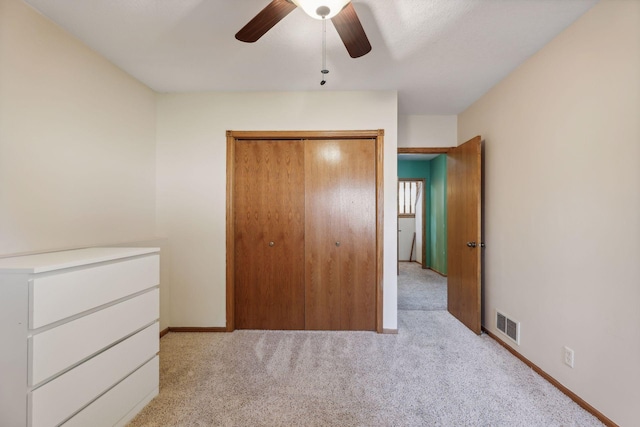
{"points": [[568, 357]]}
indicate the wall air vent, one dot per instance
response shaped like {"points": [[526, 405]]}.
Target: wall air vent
{"points": [[501, 322], [509, 327]]}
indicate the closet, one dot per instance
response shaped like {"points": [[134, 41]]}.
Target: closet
{"points": [[303, 218], [269, 234]]}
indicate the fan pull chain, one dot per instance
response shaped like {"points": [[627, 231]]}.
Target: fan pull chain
{"points": [[324, 70]]}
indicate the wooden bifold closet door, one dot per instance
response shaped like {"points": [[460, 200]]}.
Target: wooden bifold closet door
{"points": [[269, 234], [305, 234], [340, 234]]}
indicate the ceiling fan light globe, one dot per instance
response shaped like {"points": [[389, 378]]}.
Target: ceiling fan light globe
{"points": [[311, 7]]}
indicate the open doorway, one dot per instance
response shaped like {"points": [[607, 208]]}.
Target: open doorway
{"points": [[412, 206], [422, 266], [463, 229]]}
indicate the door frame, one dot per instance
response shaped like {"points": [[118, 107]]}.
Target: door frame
{"points": [[233, 136], [422, 150]]}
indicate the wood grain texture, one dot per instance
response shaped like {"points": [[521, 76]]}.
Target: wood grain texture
{"points": [[269, 207], [358, 256], [234, 136], [230, 235], [340, 248], [351, 32], [424, 150], [464, 225], [266, 19], [379, 229], [557, 384], [307, 135], [323, 224]]}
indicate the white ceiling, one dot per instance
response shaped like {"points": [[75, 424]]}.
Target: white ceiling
{"points": [[440, 55]]}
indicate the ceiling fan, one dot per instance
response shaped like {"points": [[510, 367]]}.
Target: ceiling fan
{"points": [[341, 12]]}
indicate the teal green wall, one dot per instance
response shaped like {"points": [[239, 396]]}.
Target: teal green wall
{"points": [[414, 169], [434, 173], [437, 225]]}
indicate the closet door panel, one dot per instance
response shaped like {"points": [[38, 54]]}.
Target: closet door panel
{"points": [[323, 224], [269, 234], [358, 235], [340, 234]]}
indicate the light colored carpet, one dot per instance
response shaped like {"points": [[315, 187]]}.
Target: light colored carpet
{"points": [[421, 289], [435, 372]]}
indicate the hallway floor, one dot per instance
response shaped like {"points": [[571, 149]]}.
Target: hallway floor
{"points": [[421, 289]]}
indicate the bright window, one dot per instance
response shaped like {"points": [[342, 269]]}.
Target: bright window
{"points": [[407, 197]]}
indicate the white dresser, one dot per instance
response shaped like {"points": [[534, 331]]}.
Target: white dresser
{"points": [[79, 336]]}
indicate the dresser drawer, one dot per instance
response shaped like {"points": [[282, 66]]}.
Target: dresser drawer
{"points": [[120, 404], [53, 402], [58, 296], [59, 348]]}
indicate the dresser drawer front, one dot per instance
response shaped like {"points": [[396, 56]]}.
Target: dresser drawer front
{"points": [[59, 348], [58, 296], [55, 401], [115, 407]]}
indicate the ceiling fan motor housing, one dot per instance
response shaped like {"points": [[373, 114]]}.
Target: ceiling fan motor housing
{"points": [[323, 11]]}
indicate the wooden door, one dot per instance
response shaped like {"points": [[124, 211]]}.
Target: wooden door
{"points": [[464, 239], [269, 234], [340, 234]]}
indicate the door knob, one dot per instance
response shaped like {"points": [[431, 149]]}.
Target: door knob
{"points": [[472, 244], [337, 243], [271, 243]]}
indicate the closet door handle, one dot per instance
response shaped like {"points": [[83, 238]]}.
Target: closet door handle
{"points": [[472, 244], [271, 244], [337, 243]]}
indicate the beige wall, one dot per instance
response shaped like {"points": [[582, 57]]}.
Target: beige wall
{"points": [[427, 131], [562, 215], [192, 180], [78, 159], [77, 142], [79, 167]]}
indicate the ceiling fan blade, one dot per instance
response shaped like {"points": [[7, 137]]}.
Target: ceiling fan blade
{"points": [[265, 20], [351, 32]]}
